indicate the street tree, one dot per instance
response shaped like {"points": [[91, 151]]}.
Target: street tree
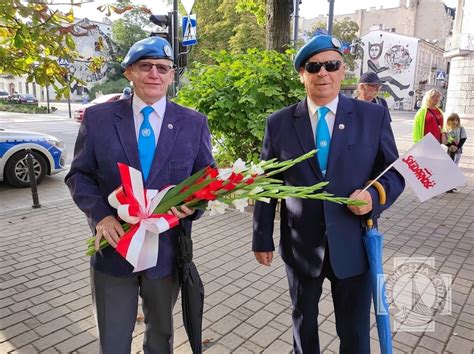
{"points": [[225, 25], [275, 16], [346, 31], [278, 13], [33, 38]]}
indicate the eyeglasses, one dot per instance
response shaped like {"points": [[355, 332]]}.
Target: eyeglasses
{"points": [[313, 67], [161, 68]]}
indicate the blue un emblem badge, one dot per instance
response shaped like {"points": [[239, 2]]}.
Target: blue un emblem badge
{"points": [[146, 132]]}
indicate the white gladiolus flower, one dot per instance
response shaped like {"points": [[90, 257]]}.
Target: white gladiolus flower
{"points": [[216, 207], [265, 200], [224, 173], [239, 166], [240, 204], [256, 169]]}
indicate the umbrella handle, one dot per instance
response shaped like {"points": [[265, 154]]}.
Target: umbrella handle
{"points": [[380, 190], [382, 197]]}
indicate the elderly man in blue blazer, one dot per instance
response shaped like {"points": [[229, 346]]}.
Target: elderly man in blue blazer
{"points": [[168, 143], [321, 239]]}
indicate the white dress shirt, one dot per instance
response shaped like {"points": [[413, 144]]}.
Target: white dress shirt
{"points": [[330, 116], [155, 118]]}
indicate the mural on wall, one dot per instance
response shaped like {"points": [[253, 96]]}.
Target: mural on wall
{"points": [[90, 42], [392, 57]]}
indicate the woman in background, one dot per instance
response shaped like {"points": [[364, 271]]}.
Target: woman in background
{"points": [[429, 118]]}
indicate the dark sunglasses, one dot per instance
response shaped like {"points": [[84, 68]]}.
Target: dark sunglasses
{"points": [[313, 67], [161, 68]]}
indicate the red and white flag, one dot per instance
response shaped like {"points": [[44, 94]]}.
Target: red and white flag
{"points": [[428, 169]]}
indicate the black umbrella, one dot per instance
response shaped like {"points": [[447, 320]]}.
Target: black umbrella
{"points": [[192, 291]]}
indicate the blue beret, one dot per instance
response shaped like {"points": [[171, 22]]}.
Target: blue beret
{"points": [[317, 44], [151, 47]]}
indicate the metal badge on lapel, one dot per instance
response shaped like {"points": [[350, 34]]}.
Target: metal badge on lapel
{"points": [[170, 126], [341, 126]]}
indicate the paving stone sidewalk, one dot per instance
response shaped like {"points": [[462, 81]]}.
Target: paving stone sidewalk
{"points": [[45, 302]]}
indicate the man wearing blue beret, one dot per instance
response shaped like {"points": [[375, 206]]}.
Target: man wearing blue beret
{"points": [[167, 143], [322, 240]]}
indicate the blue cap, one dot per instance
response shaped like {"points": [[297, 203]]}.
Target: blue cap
{"points": [[317, 44], [148, 48]]}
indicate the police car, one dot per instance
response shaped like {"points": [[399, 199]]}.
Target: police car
{"points": [[49, 156]]}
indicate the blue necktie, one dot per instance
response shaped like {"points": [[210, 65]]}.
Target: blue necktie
{"points": [[323, 139], [146, 142]]}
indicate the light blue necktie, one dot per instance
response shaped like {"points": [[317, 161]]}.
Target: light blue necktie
{"points": [[146, 142], [323, 139]]}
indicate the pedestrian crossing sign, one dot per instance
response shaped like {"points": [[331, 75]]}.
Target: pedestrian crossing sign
{"points": [[189, 30], [441, 75]]}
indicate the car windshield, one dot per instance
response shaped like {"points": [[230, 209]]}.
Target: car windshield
{"points": [[29, 96]]}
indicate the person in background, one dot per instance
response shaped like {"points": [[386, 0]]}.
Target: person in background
{"points": [[368, 89], [126, 93], [85, 98], [455, 137], [320, 240], [167, 143], [429, 118]]}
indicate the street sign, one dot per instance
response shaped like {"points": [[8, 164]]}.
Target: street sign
{"points": [[441, 75], [189, 30], [188, 5], [63, 62]]}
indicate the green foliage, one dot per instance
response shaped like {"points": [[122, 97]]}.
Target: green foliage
{"points": [[345, 30], [256, 7], [223, 25], [129, 29], [24, 108], [115, 86], [32, 38], [237, 93]]}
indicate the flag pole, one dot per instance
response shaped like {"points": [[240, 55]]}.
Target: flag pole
{"points": [[376, 179]]}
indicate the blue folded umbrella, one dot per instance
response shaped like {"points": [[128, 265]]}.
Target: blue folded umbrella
{"points": [[373, 245]]}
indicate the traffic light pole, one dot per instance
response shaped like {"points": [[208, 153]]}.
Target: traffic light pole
{"points": [[330, 16]]}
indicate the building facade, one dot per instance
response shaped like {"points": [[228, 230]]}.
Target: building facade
{"points": [[430, 20], [460, 51]]}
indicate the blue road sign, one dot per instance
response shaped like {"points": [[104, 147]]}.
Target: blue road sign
{"points": [[189, 30]]}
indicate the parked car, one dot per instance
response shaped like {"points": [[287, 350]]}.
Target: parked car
{"points": [[24, 98], [3, 95], [79, 113], [49, 156]]}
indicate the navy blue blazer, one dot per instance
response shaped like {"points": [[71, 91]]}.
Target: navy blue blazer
{"points": [[362, 146], [106, 137]]}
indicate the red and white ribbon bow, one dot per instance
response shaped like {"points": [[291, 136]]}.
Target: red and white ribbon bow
{"points": [[135, 205]]}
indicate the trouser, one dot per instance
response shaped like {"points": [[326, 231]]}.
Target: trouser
{"points": [[115, 302], [351, 298]]}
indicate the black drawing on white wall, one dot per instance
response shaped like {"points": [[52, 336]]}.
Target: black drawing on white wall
{"points": [[396, 59]]}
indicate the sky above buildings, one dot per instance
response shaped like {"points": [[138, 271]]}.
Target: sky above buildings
{"points": [[308, 8], [313, 8]]}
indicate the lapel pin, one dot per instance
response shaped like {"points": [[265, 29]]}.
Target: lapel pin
{"points": [[341, 126], [170, 126]]}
